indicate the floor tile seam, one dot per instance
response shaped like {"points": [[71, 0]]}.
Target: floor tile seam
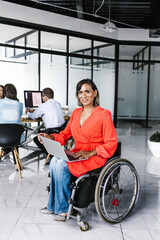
{"points": [[151, 234], [16, 222], [145, 221], [12, 194], [37, 188], [39, 223], [36, 184], [122, 231], [148, 230], [11, 231], [24, 208]]}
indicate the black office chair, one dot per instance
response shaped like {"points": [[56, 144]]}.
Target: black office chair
{"points": [[10, 137]]}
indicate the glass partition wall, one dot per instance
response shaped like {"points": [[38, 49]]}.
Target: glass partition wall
{"points": [[132, 85], [138, 85], [19, 58], [128, 80], [104, 73], [154, 86]]}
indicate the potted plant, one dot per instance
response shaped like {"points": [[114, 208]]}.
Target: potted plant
{"points": [[154, 144]]}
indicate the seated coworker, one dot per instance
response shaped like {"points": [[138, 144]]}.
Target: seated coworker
{"points": [[10, 108], [95, 138], [1, 92], [51, 113]]}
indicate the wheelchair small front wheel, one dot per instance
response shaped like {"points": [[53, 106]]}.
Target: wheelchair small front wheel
{"points": [[117, 191], [86, 226]]}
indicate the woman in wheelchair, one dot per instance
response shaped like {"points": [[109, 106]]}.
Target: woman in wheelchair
{"points": [[95, 139]]}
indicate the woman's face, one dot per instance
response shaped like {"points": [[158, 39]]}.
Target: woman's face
{"points": [[1, 92], [86, 95]]}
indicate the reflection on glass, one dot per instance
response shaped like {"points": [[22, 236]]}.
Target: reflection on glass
{"points": [[80, 45], [131, 52], [98, 63], [82, 62], [131, 98], [9, 54], [18, 36], [18, 71], [32, 39], [155, 53], [53, 75], [102, 49], [104, 77], [53, 41], [154, 97]]}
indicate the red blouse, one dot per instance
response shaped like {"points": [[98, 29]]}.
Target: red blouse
{"points": [[97, 132]]}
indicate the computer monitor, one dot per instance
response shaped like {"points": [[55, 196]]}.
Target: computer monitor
{"points": [[32, 99]]}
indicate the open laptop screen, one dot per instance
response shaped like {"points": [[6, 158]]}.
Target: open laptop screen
{"points": [[32, 99]]}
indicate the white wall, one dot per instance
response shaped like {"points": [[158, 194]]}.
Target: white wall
{"points": [[131, 34], [23, 76]]}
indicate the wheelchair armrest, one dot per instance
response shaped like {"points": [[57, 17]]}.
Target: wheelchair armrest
{"points": [[117, 152]]}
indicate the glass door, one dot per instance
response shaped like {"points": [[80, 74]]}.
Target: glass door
{"points": [[132, 86]]}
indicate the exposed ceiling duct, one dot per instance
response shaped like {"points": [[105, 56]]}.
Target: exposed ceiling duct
{"points": [[125, 13]]}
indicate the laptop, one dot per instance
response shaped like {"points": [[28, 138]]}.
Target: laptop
{"points": [[54, 148]]}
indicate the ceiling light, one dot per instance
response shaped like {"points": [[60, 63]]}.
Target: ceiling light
{"points": [[109, 26]]}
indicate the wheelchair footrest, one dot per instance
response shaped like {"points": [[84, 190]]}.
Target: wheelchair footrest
{"points": [[48, 188]]}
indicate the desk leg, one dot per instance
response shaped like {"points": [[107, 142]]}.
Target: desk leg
{"points": [[29, 139]]}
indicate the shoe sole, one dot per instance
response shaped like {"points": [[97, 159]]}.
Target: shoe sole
{"points": [[59, 218]]}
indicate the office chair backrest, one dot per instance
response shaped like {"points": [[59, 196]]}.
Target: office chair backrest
{"points": [[10, 135]]}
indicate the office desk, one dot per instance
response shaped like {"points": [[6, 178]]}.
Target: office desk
{"points": [[25, 121], [29, 120]]}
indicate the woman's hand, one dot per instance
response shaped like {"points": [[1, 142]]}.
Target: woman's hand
{"points": [[44, 135], [85, 154]]}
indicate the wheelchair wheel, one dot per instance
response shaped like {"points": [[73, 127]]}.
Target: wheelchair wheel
{"points": [[85, 228], [117, 191]]}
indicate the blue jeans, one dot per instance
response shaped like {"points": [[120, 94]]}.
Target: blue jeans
{"points": [[60, 190]]}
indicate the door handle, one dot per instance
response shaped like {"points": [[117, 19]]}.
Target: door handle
{"points": [[120, 99]]}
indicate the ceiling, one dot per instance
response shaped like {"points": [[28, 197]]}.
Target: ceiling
{"points": [[124, 13]]}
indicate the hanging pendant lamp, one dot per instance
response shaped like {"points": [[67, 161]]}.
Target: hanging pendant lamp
{"points": [[109, 26]]}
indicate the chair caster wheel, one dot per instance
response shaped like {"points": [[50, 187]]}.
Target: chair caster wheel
{"points": [[85, 228]]}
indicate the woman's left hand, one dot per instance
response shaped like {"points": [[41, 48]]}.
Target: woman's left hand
{"points": [[85, 154]]}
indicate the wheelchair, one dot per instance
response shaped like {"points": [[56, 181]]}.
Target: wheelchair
{"points": [[114, 188]]}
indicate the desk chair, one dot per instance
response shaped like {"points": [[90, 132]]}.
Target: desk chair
{"points": [[10, 137]]}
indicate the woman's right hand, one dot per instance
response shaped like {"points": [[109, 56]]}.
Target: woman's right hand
{"points": [[44, 135]]}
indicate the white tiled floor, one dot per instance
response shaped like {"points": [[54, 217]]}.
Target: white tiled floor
{"points": [[21, 200]]}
